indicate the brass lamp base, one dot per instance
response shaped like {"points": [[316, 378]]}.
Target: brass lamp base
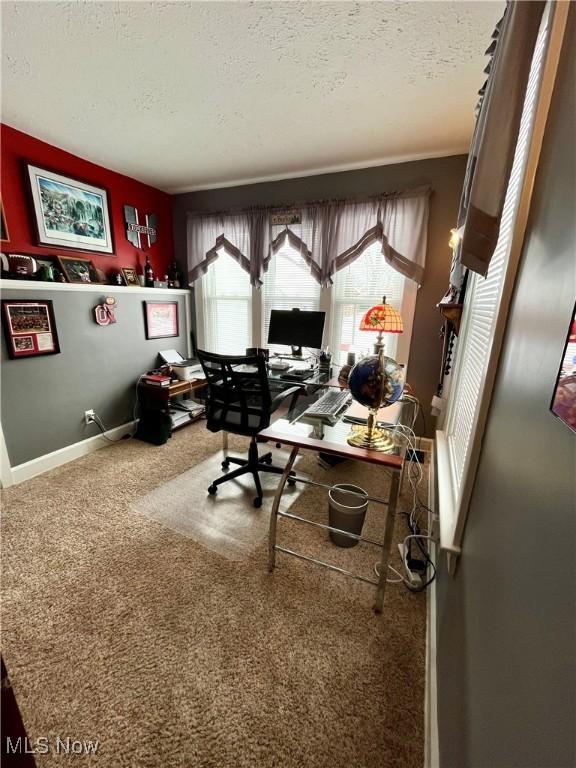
{"points": [[374, 439]]}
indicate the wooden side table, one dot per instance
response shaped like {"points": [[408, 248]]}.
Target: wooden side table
{"points": [[155, 403]]}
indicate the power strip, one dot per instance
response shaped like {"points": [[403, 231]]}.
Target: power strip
{"points": [[413, 576]]}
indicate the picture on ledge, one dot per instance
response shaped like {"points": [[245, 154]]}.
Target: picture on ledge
{"points": [[564, 399], [131, 277], [30, 328], [161, 318], [4, 235], [77, 270], [69, 213]]}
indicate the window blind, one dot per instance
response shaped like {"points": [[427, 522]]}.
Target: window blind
{"points": [[358, 287], [227, 301], [288, 283], [482, 304]]}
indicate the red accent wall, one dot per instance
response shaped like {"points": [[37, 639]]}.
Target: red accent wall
{"points": [[17, 147]]}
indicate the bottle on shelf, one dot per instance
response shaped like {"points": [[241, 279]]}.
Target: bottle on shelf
{"points": [[148, 273], [173, 275]]}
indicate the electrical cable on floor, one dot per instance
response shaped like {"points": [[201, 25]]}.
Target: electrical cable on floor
{"points": [[96, 420], [415, 477]]}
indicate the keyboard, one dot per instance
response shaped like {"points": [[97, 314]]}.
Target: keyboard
{"points": [[329, 405]]}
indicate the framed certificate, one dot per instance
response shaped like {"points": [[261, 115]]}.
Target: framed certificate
{"points": [[161, 319]]}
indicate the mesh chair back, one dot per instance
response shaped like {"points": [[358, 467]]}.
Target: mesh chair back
{"points": [[239, 399]]}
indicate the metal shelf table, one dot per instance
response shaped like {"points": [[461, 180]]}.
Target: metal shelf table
{"points": [[307, 434]]}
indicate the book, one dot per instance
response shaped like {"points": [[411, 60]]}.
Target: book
{"points": [[156, 379]]}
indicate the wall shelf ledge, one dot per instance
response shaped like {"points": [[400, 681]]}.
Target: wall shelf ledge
{"points": [[37, 285]]}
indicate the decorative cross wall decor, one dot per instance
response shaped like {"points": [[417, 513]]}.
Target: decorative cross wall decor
{"points": [[140, 235]]}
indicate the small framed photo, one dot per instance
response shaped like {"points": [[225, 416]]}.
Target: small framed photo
{"points": [[564, 398], [68, 212], [131, 277], [30, 328], [161, 319], [77, 270], [4, 235]]}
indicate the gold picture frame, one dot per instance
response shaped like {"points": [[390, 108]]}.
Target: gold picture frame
{"points": [[4, 234], [130, 277]]}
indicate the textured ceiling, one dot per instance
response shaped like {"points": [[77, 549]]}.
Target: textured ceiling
{"points": [[184, 95]]}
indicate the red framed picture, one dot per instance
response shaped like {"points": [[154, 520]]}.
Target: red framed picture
{"points": [[564, 398], [30, 328], [161, 319]]}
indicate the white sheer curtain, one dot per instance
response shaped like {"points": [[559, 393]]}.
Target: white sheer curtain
{"points": [[243, 236], [494, 141], [329, 236]]}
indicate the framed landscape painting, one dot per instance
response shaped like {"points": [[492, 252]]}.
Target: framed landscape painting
{"points": [[69, 213]]}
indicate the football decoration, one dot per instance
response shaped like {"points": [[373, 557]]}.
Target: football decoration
{"points": [[18, 266]]}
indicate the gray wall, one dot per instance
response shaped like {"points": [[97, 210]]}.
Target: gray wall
{"points": [[506, 622], [44, 398], [445, 175]]}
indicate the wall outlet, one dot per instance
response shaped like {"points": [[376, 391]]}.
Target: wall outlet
{"points": [[89, 416]]}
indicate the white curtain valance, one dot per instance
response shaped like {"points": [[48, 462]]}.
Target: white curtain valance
{"points": [[494, 141], [328, 235]]}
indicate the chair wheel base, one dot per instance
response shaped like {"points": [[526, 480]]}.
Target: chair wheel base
{"points": [[257, 502], [291, 482], [212, 490], [225, 464]]}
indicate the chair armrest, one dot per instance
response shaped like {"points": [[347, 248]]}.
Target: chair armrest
{"points": [[281, 396]]}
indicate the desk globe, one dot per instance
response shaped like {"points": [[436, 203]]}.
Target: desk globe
{"points": [[375, 382], [378, 380]]}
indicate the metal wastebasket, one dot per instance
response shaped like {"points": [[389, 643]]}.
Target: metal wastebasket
{"points": [[347, 512]]}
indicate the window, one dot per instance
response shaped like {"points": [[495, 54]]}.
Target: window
{"points": [[481, 331], [356, 288], [288, 283], [231, 315], [225, 295]]}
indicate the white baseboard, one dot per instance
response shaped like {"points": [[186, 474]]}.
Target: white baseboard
{"points": [[37, 466], [431, 744]]}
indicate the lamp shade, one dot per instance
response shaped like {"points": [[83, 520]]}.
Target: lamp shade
{"points": [[382, 317]]}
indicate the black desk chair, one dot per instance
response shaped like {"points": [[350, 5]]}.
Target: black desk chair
{"points": [[239, 401]]}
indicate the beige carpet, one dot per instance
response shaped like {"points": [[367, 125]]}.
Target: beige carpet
{"points": [[117, 628]]}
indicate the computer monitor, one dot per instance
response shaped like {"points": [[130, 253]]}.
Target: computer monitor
{"points": [[296, 328]]}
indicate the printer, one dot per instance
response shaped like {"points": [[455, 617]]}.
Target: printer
{"points": [[184, 369]]}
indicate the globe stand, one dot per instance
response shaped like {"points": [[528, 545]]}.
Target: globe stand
{"points": [[370, 436]]}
